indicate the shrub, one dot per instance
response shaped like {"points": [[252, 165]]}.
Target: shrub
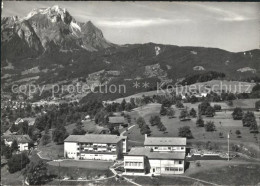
{"points": [[185, 132], [217, 107], [237, 113], [210, 126], [200, 122]]}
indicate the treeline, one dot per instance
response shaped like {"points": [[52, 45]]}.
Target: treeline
{"points": [[202, 77]]}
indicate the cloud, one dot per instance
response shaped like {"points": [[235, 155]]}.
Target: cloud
{"points": [[139, 22], [224, 13]]}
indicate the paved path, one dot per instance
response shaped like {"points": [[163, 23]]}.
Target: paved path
{"points": [[122, 133]]}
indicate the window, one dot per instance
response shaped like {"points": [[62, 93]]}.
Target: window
{"points": [[180, 162], [180, 169], [155, 147], [169, 148], [182, 148], [167, 168], [174, 168]]}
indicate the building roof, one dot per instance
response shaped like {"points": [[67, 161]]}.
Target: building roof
{"points": [[142, 151], [116, 119], [94, 138], [163, 141], [18, 138]]}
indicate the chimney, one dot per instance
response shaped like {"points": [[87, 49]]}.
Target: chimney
{"points": [[145, 136]]}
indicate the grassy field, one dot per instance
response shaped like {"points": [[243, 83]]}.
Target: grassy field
{"points": [[11, 179], [80, 169], [223, 122], [226, 173], [163, 180], [100, 165], [111, 181]]}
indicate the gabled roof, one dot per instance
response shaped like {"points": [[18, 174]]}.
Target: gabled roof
{"points": [[163, 141], [18, 138], [116, 119], [142, 151], [94, 138]]}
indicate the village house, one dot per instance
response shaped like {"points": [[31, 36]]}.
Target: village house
{"points": [[117, 121], [165, 144], [95, 147], [22, 141]]}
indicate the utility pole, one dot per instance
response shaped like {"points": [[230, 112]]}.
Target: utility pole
{"points": [[228, 145]]}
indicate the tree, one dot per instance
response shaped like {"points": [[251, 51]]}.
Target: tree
{"points": [[185, 132], [217, 107], [140, 122], [155, 120], [36, 173], [78, 130], [145, 130], [210, 126], [203, 107], [248, 119], [193, 113], [6, 150], [210, 111], [193, 99], [238, 133], [17, 162], [179, 104], [132, 101], [237, 113], [123, 104], [184, 115], [200, 122], [171, 113], [15, 146], [45, 139], [128, 107], [163, 111], [59, 134]]}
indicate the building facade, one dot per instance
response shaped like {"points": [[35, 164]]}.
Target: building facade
{"points": [[160, 155], [142, 161], [94, 147]]}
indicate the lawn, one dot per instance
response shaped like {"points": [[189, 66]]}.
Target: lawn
{"points": [[100, 165], [226, 173], [111, 181], [73, 169], [11, 179], [162, 180]]}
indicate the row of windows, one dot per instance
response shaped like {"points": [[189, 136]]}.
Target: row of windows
{"points": [[138, 164], [173, 169], [169, 148]]}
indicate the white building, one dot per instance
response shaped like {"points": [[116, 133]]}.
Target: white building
{"points": [[160, 155], [95, 147], [22, 141], [142, 161], [165, 144]]}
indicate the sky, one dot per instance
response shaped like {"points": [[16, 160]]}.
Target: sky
{"points": [[232, 26]]}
